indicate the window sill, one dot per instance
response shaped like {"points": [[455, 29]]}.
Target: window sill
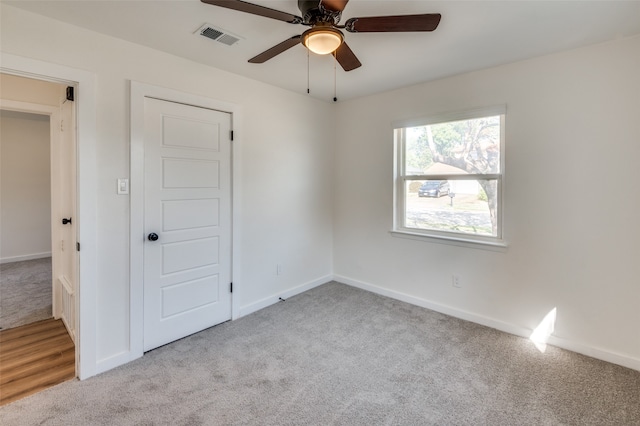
{"points": [[500, 246]]}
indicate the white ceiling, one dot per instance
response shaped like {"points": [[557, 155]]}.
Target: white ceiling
{"points": [[472, 35]]}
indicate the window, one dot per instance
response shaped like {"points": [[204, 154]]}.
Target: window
{"points": [[449, 172]]}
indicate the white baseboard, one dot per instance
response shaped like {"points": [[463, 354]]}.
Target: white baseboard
{"points": [[268, 301], [601, 354], [604, 355], [24, 257], [114, 361]]}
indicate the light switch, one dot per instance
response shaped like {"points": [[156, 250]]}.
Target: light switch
{"points": [[123, 186]]}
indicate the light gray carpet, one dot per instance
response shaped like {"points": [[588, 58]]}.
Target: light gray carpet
{"points": [[25, 292], [336, 355]]}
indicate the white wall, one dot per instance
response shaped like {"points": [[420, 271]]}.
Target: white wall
{"points": [[285, 186], [25, 186], [571, 202]]}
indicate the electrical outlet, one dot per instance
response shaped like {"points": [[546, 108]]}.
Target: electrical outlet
{"points": [[455, 281], [278, 269]]}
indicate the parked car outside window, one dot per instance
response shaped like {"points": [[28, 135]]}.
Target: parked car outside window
{"points": [[434, 188]]}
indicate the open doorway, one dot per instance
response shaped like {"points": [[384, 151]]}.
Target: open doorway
{"points": [[25, 219], [38, 259]]}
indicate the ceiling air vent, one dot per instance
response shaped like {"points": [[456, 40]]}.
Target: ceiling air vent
{"points": [[218, 34]]}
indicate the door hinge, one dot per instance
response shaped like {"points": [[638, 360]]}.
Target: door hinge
{"points": [[231, 288], [70, 94], [232, 136], [77, 246]]}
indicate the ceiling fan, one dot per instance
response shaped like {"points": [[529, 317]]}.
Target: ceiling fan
{"points": [[325, 35]]}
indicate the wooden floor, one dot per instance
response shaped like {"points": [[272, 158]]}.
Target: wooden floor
{"points": [[34, 357]]}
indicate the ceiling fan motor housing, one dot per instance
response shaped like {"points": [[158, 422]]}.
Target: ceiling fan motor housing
{"points": [[313, 12]]}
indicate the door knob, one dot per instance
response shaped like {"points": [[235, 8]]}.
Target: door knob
{"points": [[66, 221], [153, 236]]}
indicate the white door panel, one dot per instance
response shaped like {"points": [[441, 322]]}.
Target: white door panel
{"points": [[189, 214], [184, 296], [186, 133], [187, 173], [188, 205], [186, 255]]}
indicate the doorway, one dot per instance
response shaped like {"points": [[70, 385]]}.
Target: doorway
{"points": [[25, 219], [86, 364], [37, 251]]}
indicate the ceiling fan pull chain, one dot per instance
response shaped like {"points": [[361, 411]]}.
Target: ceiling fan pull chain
{"points": [[308, 91], [335, 78]]}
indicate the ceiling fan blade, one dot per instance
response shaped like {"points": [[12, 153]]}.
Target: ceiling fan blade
{"points": [[275, 50], [346, 58], [334, 5], [254, 9], [390, 24]]}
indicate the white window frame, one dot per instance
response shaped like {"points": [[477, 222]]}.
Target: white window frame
{"points": [[401, 178]]}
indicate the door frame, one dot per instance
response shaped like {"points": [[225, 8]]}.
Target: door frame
{"points": [[84, 81], [140, 91]]}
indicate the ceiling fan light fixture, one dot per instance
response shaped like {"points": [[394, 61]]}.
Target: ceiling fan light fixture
{"points": [[322, 41]]}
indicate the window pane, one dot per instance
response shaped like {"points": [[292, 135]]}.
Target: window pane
{"points": [[452, 205], [454, 148], [418, 157]]}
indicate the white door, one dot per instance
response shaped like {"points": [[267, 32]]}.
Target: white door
{"points": [[64, 189], [187, 206]]}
